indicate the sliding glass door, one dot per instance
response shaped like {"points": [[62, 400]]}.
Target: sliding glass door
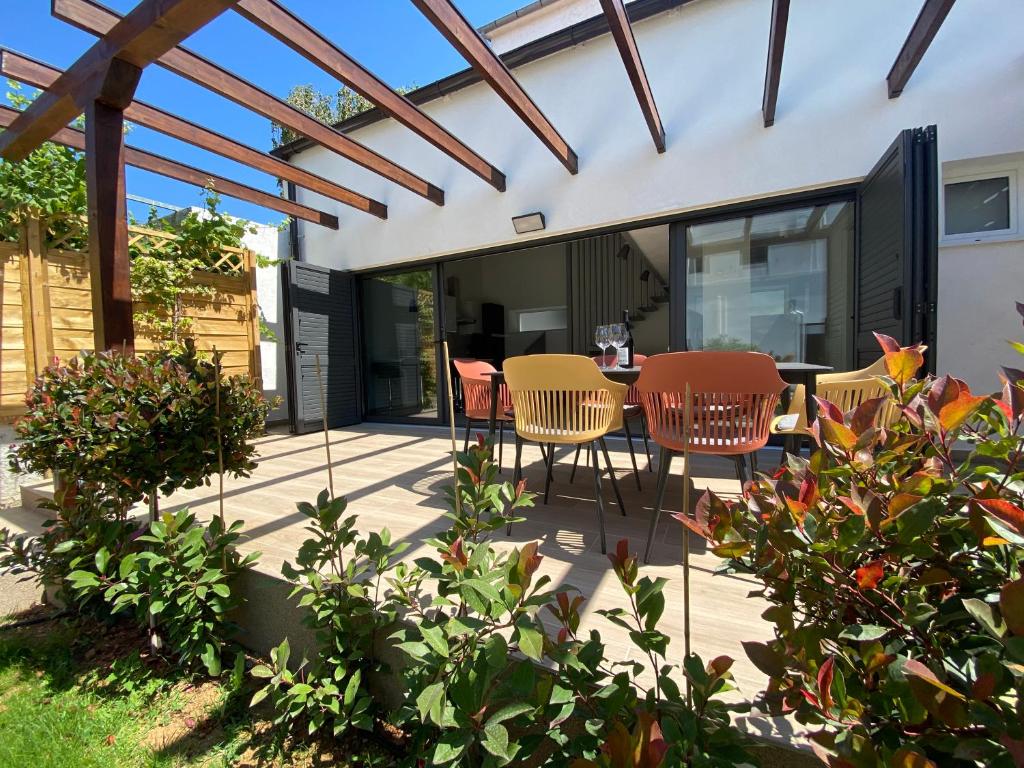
{"points": [[399, 326], [778, 282]]}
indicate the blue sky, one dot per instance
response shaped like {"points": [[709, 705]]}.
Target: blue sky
{"points": [[390, 37]]}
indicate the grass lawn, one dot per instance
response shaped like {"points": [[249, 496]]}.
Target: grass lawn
{"points": [[77, 694]]}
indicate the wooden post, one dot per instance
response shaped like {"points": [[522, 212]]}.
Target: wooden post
{"points": [[108, 216], [36, 300]]}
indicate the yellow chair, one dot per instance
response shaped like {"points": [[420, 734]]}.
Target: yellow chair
{"points": [[846, 389], [565, 400]]}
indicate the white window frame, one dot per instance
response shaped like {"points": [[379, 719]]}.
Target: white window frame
{"points": [[980, 172]]}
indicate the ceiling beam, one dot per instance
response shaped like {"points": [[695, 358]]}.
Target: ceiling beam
{"points": [[773, 72], [39, 75], [450, 22], [97, 19], [280, 23], [926, 26], [147, 32], [147, 161], [622, 33]]}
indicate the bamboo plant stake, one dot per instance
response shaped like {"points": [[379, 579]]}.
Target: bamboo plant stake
{"points": [[451, 424], [327, 435], [220, 441], [687, 427]]}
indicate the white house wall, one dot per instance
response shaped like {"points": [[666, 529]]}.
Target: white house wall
{"points": [[706, 63]]}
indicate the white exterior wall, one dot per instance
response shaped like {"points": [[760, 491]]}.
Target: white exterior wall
{"points": [[272, 243], [706, 64]]}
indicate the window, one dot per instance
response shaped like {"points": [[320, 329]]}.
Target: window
{"points": [[980, 203]]}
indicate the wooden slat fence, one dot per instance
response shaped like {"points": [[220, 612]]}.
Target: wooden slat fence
{"points": [[46, 305]]}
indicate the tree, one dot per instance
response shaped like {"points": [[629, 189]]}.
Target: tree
{"points": [[327, 108]]}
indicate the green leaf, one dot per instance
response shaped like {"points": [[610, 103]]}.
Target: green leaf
{"points": [[434, 637], [496, 742], [509, 711], [261, 671], [430, 703], [530, 641], [102, 559], [986, 616], [863, 632]]}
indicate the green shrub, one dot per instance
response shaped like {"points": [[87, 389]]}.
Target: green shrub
{"points": [[893, 569], [180, 575], [486, 683], [126, 425], [342, 596]]}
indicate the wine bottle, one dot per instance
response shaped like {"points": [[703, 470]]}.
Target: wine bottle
{"points": [[626, 352]]}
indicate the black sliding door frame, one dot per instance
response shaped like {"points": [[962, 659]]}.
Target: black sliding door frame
{"points": [[442, 382], [678, 263]]}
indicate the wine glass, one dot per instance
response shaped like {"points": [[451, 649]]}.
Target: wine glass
{"points": [[619, 338], [601, 340]]}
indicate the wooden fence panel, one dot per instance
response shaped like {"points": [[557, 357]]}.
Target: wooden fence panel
{"points": [[46, 309]]}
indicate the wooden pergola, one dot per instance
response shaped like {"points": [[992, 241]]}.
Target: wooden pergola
{"points": [[102, 83]]}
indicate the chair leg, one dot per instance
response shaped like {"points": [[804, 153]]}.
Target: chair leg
{"points": [[517, 473], [647, 448], [543, 452], [469, 426], [664, 462], [575, 462], [611, 474], [547, 473], [632, 455], [501, 442], [597, 497], [753, 464], [741, 469]]}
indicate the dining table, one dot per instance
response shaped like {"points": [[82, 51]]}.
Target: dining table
{"points": [[790, 372]]}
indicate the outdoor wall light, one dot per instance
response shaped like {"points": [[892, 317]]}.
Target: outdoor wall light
{"points": [[528, 222]]}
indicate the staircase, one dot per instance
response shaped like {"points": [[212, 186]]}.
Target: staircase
{"points": [[609, 276]]}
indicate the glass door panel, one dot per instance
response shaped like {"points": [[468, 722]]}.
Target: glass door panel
{"points": [[779, 283], [399, 328]]}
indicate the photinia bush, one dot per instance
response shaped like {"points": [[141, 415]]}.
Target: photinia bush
{"points": [[127, 424], [892, 561]]}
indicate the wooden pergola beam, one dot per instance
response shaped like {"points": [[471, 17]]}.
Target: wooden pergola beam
{"points": [[147, 161], [926, 26], [622, 33], [773, 71], [450, 22], [146, 33], [98, 20], [35, 73], [283, 25]]}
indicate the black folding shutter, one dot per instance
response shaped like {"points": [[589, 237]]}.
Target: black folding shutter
{"points": [[896, 247], [323, 323]]}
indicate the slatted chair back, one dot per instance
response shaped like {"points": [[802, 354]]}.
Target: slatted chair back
{"points": [[846, 390], [733, 397], [563, 399], [476, 389]]}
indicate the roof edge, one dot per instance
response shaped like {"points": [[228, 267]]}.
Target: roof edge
{"points": [[573, 35]]}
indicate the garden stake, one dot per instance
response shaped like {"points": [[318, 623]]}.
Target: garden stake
{"points": [[220, 445], [155, 644], [687, 427], [327, 435], [451, 424]]}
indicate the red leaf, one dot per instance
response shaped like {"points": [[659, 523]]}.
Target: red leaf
{"points": [[829, 409], [954, 414], [838, 434], [866, 414], [825, 675], [887, 343], [983, 688], [945, 390], [1009, 513], [869, 575]]}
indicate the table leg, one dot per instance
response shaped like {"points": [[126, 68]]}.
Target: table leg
{"points": [[493, 417], [810, 390]]}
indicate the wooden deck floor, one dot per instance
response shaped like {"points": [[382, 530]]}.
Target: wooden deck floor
{"points": [[393, 477]]}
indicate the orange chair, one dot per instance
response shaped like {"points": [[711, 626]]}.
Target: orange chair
{"points": [[632, 410], [733, 397], [476, 398], [565, 400]]}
